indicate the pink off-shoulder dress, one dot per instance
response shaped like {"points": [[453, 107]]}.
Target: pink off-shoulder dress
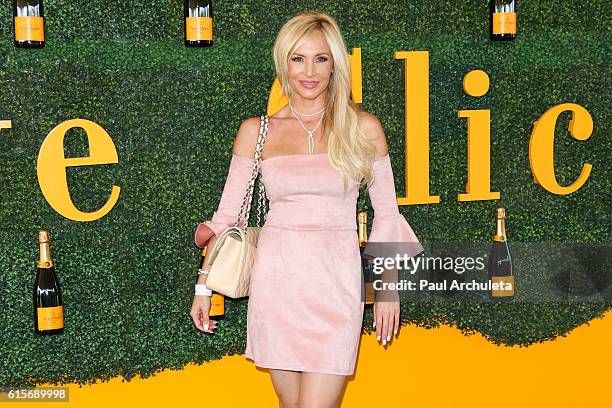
{"points": [[305, 307]]}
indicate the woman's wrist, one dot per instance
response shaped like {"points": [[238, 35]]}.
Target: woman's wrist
{"points": [[202, 274]]}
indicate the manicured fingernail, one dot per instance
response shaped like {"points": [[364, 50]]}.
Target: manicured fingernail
{"points": [[374, 325], [378, 338], [384, 342], [395, 331], [206, 326], [388, 338]]}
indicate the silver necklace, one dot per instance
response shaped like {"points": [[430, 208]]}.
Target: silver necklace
{"points": [[304, 114], [310, 132]]}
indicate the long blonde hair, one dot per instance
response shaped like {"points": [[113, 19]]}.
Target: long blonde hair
{"points": [[349, 151]]}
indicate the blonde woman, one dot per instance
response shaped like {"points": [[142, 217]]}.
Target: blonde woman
{"points": [[305, 309]]}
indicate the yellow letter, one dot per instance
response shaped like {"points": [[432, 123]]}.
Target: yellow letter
{"points": [[476, 83], [541, 146], [417, 128], [51, 168]]}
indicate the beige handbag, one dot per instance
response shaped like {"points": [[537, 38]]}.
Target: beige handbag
{"points": [[231, 258]]}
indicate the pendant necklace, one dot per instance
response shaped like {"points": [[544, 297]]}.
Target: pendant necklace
{"points": [[310, 132]]}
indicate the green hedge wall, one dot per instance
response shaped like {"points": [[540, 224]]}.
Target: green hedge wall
{"points": [[172, 112]]}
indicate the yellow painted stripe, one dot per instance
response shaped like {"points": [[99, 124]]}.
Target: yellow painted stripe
{"points": [[422, 368]]}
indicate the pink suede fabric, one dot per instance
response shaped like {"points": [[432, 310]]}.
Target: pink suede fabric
{"points": [[305, 309], [388, 225]]}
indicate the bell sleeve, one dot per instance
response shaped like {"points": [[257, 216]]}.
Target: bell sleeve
{"points": [[236, 183], [390, 230]]}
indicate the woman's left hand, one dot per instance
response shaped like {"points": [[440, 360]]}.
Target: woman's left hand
{"points": [[386, 320]]}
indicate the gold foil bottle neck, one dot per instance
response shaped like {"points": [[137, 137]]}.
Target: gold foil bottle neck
{"points": [[500, 224], [362, 230], [203, 252], [44, 236], [362, 217], [44, 260]]}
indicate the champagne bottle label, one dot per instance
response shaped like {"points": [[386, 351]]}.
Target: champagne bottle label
{"points": [[199, 28], [29, 28], [504, 23], [45, 264], [503, 282], [368, 279], [50, 318], [369, 294], [217, 305]]}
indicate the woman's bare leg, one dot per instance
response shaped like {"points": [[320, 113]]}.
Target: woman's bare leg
{"points": [[287, 386], [318, 390]]}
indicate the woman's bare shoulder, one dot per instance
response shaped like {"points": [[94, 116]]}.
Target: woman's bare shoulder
{"points": [[246, 138], [371, 126]]}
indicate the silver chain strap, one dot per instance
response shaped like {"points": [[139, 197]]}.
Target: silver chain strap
{"points": [[261, 203], [248, 197]]}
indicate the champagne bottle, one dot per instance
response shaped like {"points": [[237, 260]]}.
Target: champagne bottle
{"points": [[29, 23], [502, 20], [198, 23], [366, 264], [500, 262], [217, 300], [48, 307]]}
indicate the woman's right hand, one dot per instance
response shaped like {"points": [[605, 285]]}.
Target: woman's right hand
{"points": [[199, 313]]}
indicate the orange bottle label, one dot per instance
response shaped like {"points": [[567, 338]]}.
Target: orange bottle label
{"points": [[29, 28], [506, 286], [217, 305], [504, 23], [199, 28], [50, 318], [369, 293]]}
